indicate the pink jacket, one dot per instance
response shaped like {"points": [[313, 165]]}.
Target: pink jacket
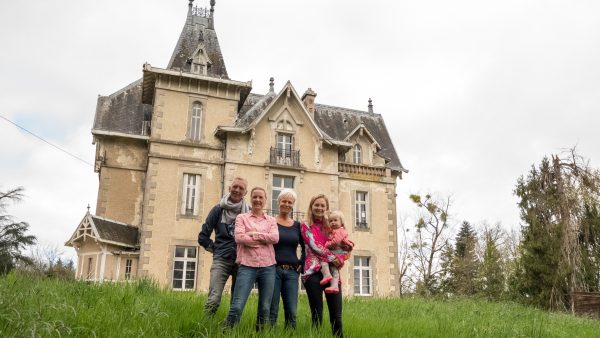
{"points": [[250, 250], [316, 251], [336, 238]]}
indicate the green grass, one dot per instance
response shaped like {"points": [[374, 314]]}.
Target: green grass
{"points": [[34, 307]]}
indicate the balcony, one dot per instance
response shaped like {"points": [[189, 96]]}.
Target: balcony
{"points": [[361, 169], [285, 157]]}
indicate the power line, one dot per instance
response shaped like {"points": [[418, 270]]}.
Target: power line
{"points": [[47, 142]]}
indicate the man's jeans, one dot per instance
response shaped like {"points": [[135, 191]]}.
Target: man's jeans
{"points": [[220, 270], [246, 277], [286, 285]]}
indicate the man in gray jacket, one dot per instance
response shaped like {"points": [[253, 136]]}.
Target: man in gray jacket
{"points": [[221, 220]]}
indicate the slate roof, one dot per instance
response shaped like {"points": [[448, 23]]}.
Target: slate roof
{"points": [[197, 29], [114, 231], [123, 111], [335, 122]]}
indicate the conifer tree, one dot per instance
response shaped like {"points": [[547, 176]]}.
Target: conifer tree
{"points": [[466, 264], [13, 235], [557, 201]]}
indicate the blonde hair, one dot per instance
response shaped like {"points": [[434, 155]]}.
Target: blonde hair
{"points": [[337, 214], [311, 220]]}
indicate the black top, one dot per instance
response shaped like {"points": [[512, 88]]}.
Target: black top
{"points": [[224, 245], [286, 249]]}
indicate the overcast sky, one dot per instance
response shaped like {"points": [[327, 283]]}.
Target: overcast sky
{"points": [[472, 92]]}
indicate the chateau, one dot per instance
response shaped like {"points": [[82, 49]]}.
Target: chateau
{"points": [[169, 144]]}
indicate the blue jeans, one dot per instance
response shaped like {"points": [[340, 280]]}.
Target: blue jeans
{"points": [[246, 276], [220, 270], [286, 285]]}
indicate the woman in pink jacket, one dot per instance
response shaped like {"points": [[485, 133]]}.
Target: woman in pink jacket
{"points": [[315, 237]]}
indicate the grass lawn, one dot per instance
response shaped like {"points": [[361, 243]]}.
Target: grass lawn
{"points": [[34, 307]]}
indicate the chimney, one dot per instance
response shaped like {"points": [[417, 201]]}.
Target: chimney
{"points": [[308, 98]]}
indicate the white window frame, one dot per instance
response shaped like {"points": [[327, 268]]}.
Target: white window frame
{"points": [[128, 265], [362, 267], [361, 207], [277, 189], [190, 194], [357, 154], [284, 145], [195, 121], [186, 260]]}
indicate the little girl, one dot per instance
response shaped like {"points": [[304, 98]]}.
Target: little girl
{"points": [[340, 245]]}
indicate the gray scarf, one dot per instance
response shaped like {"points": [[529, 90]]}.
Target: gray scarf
{"points": [[231, 210]]}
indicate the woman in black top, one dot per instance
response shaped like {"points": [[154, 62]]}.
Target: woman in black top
{"points": [[288, 264]]}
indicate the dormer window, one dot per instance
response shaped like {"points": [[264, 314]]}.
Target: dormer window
{"points": [[357, 154], [198, 69], [200, 62]]}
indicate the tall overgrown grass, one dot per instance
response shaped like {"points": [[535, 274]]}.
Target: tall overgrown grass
{"points": [[42, 307]]}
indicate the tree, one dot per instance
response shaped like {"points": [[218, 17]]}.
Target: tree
{"points": [[13, 237], [429, 241], [491, 274], [466, 263], [558, 202]]}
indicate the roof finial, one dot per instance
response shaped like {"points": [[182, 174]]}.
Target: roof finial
{"points": [[88, 207], [370, 106], [211, 21], [190, 4], [272, 85]]}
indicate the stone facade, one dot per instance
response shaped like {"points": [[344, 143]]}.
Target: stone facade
{"points": [[185, 133]]}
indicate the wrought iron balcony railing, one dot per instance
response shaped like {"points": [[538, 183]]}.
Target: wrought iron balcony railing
{"points": [[282, 156]]}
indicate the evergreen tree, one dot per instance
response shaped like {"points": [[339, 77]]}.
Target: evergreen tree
{"points": [[13, 237], [557, 202], [491, 271], [465, 264]]}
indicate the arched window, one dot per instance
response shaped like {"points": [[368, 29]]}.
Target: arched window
{"points": [[195, 121], [357, 151]]}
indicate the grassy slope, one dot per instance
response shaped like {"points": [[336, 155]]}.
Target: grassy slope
{"points": [[52, 308]]}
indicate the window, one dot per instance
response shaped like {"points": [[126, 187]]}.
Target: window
{"points": [[184, 268], [195, 121], [284, 148], [128, 264], [191, 184], [357, 154], [362, 276], [279, 183], [360, 208], [89, 270]]}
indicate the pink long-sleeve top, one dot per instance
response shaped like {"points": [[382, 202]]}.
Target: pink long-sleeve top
{"points": [[316, 251], [336, 238], [257, 250]]}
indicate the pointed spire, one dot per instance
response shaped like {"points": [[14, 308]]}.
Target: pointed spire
{"points": [[271, 85], [370, 106]]}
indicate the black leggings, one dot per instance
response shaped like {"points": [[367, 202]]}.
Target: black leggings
{"points": [[314, 291]]}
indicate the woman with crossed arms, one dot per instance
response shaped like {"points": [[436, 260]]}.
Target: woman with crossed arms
{"points": [[255, 234]]}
